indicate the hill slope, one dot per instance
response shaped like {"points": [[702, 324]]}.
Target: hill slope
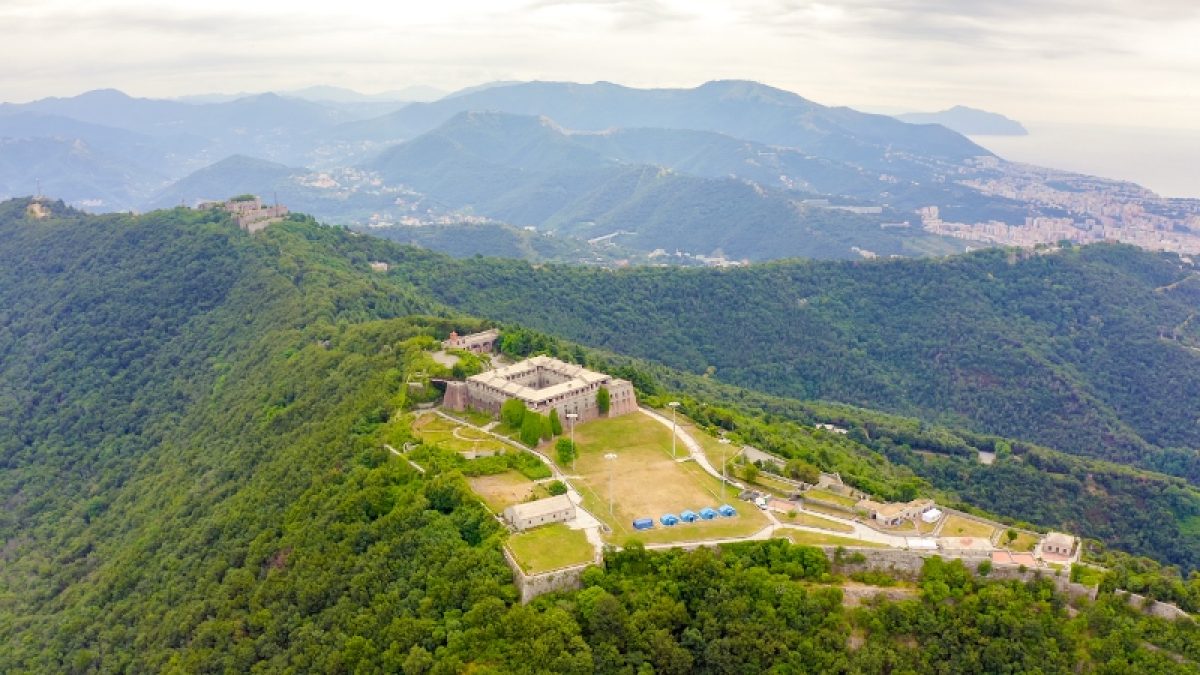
{"points": [[1092, 351], [191, 431], [528, 171]]}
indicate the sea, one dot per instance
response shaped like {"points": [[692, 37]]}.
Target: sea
{"points": [[1165, 160]]}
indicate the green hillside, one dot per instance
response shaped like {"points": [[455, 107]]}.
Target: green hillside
{"points": [[192, 425], [526, 171], [1088, 350]]}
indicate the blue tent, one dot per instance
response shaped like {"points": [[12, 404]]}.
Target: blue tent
{"points": [[669, 519], [688, 516], [727, 510], [643, 523], [708, 513]]}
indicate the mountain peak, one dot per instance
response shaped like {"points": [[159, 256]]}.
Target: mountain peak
{"points": [[751, 90]]}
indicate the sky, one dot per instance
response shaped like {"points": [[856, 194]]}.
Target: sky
{"points": [[1121, 62]]}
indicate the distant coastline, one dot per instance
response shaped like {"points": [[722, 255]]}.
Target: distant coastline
{"points": [[1164, 161]]}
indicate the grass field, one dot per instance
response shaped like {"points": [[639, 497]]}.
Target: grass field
{"points": [[772, 484], [821, 508], [817, 539], [476, 417], [809, 520], [434, 429], [1024, 542], [957, 526], [550, 547], [505, 489], [916, 527], [647, 483], [831, 497]]}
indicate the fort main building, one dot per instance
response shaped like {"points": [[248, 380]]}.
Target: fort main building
{"points": [[542, 383]]}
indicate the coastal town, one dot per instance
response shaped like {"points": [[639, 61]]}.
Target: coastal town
{"points": [[1089, 209]]}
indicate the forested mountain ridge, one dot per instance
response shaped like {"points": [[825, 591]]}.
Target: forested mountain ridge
{"points": [[194, 481], [1091, 350], [738, 108], [527, 170]]}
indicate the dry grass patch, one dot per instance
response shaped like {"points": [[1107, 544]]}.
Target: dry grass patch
{"points": [[647, 483], [957, 526], [831, 497], [809, 520], [1024, 542], [505, 489], [806, 538], [437, 430]]}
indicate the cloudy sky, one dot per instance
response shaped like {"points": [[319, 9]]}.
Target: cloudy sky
{"points": [[1129, 62]]}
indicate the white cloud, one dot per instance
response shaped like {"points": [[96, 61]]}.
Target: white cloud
{"points": [[1103, 60]]}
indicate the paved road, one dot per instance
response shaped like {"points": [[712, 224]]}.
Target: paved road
{"points": [[401, 455], [692, 445]]}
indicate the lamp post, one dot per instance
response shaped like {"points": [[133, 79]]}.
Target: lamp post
{"points": [[571, 417], [674, 406], [611, 457]]}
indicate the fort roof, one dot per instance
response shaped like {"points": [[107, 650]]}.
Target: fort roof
{"points": [[541, 507], [1059, 539], [577, 376], [894, 509]]}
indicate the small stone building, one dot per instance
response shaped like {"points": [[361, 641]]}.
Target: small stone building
{"points": [[1058, 543], [558, 509], [478, 343], [893, 514]]}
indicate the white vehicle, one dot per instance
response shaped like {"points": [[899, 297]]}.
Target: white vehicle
{"points": [[761, 502]]}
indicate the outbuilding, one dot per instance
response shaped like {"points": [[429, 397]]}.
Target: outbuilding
{"points": [[1058, 543], [557, 509]]}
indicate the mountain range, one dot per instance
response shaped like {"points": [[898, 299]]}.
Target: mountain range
{"points": [[968, 121], [729, 169]]}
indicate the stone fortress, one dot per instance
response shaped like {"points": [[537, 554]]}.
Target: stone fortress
{"points": [[542, 383]]}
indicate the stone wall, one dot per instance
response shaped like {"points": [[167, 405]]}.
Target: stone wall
{"points": [[531, 586], [896, 562], [456, 396], [1161, 610], [907, 565]]}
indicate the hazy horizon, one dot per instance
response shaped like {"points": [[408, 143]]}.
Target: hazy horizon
{"points": [[1110, 62]]}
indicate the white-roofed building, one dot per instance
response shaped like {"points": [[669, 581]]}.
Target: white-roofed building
{"points": [[558, 509], [543, 383], [1058, 543]]}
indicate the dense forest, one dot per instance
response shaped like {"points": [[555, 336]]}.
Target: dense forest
{"points": [[192, 424], [1092, 351]]}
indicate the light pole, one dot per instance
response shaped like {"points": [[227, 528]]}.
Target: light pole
{"points": [[674, 406], [611, 457], [571, 417]]}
